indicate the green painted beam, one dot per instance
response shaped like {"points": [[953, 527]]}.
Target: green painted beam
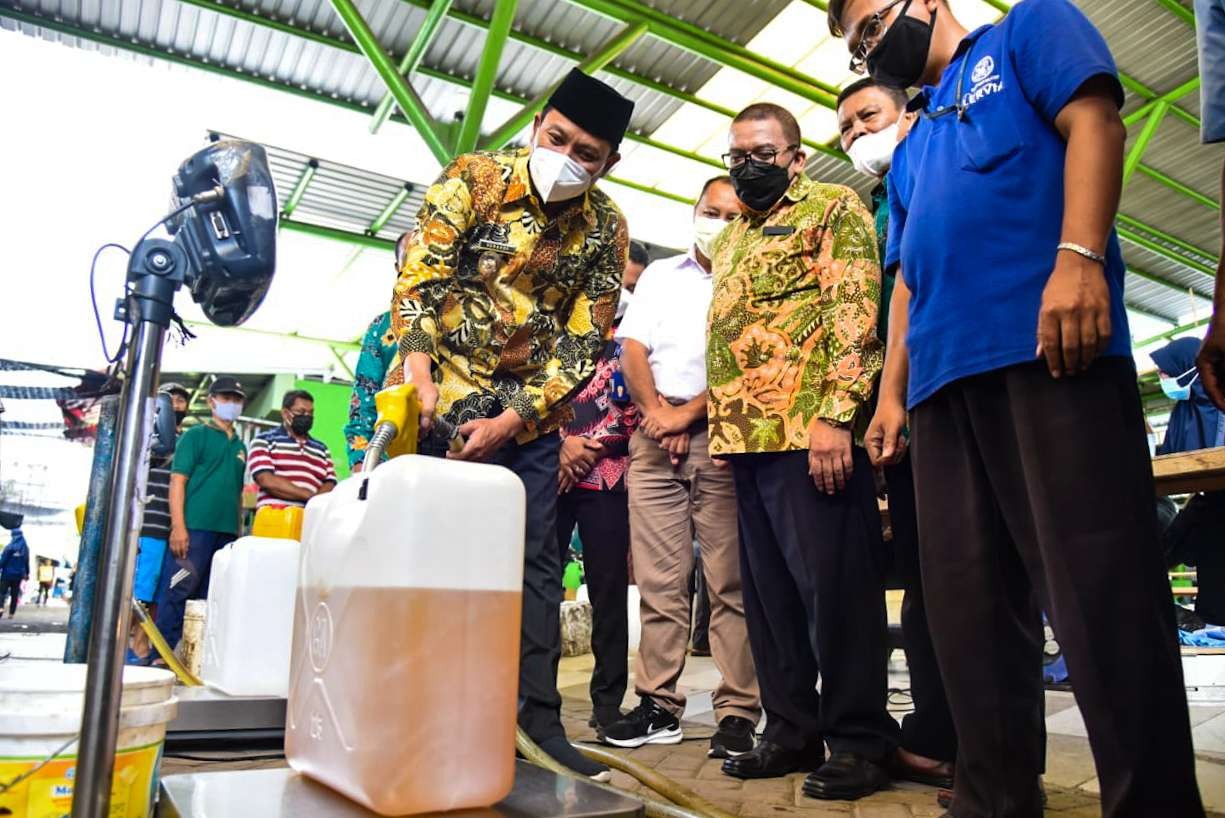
{"points": [[648, 189], [1141, 144], [1169, 96], [1178, 10], [615, 47], [347, 346], [299, 188], [395, 204], [1163, 251], [335, 234], [1162, 236], [1140, 89], [405, 96], [1164, 282], [341, 360], [412, 57], [690, 37], [486, 74], [1170, 333], [1174, 184]]}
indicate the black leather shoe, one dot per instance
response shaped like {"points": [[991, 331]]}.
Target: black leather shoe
{"points": [[769, 760], [845, 777]]}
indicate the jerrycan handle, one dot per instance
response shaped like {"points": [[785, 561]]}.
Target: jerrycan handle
{"points": [[395, 428]]}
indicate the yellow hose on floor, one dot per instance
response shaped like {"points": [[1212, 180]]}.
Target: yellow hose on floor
{"points": [[687, 803], [163, 648]]}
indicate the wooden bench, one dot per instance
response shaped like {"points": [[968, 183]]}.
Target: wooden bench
{"points": [[1189, 472]]}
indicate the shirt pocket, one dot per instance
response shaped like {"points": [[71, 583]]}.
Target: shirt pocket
{"points": [[987, 135]]}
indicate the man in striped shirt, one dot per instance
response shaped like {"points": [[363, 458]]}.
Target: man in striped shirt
{"points": [[287, 464]]}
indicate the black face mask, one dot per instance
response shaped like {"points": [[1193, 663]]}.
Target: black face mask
{"points": [[901, 55], [179, 415], [301, 424], [759, 184]]}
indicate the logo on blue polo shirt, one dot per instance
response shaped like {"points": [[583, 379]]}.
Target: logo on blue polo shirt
{"points": [[983, 69], [986, 82]]}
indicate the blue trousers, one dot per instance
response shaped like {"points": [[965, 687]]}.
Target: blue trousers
{"points": [[186, 579]]}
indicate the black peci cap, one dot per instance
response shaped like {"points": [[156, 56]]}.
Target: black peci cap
{"points": [[594, 106]]}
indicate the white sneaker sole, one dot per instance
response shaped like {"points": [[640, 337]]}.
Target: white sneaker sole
{"points": [[727, 753], [602, 778], [672, 736]]}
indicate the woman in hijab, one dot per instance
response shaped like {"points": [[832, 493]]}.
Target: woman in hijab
{"points": [[1197, 534]]}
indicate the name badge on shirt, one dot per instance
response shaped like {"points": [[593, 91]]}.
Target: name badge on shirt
{"points": [[777, 230], [492, 247]]}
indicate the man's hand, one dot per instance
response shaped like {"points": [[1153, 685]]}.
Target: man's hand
{"points": [[1211, 361], [1074, 319], [418, 370], [483, 438], [677, 447], [665, 419], [178, 542], [578, 455], [829, 456], [886, 439]]}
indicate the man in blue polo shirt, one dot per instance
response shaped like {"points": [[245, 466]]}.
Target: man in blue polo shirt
{"points": [[1012, 355]]}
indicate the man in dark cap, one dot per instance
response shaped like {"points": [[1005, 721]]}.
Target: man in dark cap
{"points": [[505, 298]]}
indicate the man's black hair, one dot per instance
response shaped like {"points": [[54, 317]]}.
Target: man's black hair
{"points": [[898, 95], [639, 254], [294, 395]]}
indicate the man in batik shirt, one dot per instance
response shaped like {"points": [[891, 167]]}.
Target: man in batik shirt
{"points": [[505, 299], [792, 356]]}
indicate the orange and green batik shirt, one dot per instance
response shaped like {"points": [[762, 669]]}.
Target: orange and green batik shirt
{"points": [[513, 307], [792, 328]]}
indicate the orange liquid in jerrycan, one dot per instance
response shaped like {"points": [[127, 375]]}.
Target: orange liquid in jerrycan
{"points": [[405, 699]]}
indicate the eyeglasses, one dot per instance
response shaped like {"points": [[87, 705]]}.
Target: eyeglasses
{"points": [[766, 155], [872, 31]]}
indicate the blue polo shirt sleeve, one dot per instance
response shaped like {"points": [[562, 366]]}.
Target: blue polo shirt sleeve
{"points": [[1055, 50]]}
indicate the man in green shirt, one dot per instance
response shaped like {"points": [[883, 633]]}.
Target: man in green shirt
{"points": [[205, 504]]}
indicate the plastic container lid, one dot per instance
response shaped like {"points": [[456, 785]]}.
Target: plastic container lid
{"points": [[50, 688]]}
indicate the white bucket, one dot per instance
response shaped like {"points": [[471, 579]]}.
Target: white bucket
{"points": [[40, 709]]}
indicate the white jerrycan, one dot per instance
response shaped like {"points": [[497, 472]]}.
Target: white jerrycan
{"points": [[248, 628], [405, 667]]}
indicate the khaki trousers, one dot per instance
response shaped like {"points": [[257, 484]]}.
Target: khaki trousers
{"points": [[669, 505]]}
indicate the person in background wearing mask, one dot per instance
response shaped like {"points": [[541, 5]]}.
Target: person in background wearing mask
{"points": [[14, 570], [505, 300], [591, 494], [677, 492], [869, 118], [1196, 535], [1013, 357], [206, 478], [791, 359], [287, 464], [155, 526], [378, 350], [1210, 30]]}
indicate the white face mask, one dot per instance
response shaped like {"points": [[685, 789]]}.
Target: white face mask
{"points": [[556, 176], [705, 231], [872, 153]]}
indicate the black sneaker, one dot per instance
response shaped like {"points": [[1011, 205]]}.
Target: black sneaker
{"points": [[648, 723], [603, 717], [734, 737], [564, 753]]}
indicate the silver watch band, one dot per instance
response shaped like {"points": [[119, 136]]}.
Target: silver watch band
{"points": [[1081, 250]]}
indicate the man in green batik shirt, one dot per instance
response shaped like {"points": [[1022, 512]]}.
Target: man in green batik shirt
{"points": [[792, 357]]}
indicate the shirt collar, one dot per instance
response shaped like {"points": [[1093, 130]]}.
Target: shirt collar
{"points": [[799, 189], [519, 188], [691, 260]]}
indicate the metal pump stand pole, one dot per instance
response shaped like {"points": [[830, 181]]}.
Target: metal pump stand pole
{"points": [[155, 271]]}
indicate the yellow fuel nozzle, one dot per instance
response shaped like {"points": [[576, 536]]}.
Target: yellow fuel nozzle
{"points": [[396, 426]]}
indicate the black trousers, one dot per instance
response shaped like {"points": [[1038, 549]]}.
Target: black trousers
{"points": [[929, 730], [604, 526], [10, 588], [1035, 493], [700, 637], [1197, 537], [812, 569]]}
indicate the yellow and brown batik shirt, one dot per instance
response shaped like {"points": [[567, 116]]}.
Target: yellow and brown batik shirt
{"points": [[512, 306], [792, 331]]}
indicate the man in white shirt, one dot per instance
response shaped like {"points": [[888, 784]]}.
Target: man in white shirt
{"points": [[675, 491]]}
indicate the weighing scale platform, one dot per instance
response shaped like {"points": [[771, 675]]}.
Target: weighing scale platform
{"points": [[208, 716], [282, 793]]}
